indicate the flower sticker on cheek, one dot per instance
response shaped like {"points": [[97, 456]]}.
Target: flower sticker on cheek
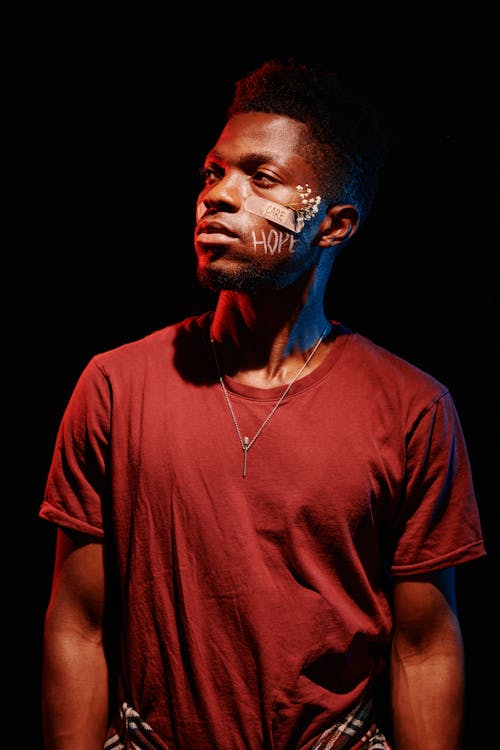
{"points": [[307, 208], [291, 216]]}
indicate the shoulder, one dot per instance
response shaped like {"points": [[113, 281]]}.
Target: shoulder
{"points": [[390, 369], [157, 348], [392, 385]]}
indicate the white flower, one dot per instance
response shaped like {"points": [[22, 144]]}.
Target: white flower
{"points": [[308, 206]]}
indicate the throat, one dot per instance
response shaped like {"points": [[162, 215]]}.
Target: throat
{"points": [[272, 364], [245, 441]]}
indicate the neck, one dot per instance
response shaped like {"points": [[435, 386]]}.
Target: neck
{"points": [[264, 339]]}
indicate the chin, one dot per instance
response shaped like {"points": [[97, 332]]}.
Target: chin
{"points": [[249, 279]]}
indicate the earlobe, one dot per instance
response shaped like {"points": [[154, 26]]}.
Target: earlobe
{"points": [[340, 223]]}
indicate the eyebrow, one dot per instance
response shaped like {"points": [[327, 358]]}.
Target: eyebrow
{"points": [[251, 159]]}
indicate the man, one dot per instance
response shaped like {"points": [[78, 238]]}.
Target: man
{"points": [[259, 511]]}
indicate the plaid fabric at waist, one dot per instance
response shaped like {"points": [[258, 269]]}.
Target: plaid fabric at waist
{"points": [[135, 733], [356, 731]]}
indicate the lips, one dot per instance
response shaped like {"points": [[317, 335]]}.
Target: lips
{"points": [[213, 232]]}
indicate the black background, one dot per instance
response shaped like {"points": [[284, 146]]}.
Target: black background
{"points": [[111, 120]]}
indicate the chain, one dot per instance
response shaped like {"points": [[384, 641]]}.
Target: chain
{"points": [[245, 442]]}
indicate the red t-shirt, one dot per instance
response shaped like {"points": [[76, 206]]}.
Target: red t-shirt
{"points": [[255, 610]]}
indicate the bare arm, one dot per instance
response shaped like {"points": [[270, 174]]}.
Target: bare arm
{"points": [[75, 675], [427, 664]]}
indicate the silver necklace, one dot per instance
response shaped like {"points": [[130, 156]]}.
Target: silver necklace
{"points": [[245, 441]]}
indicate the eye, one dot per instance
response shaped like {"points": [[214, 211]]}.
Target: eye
{"points": [[264, 179], [210, 174]]}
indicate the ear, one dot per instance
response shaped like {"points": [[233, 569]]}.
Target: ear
{"points": [[339, 225]]}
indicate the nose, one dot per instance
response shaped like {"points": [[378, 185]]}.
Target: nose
{"points": [[225, 194]]}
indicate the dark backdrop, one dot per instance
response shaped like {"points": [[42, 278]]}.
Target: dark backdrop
{"points": [[113, 125]]}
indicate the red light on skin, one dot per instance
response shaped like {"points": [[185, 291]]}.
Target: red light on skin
{"points": [[275, 212]]}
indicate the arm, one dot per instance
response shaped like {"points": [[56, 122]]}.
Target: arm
{"points": [[427, 664], [75, 675]]}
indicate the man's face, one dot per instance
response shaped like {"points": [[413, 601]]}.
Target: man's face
{"points": [[257, 160]]}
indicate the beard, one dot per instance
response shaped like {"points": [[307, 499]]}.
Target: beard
{"points": [[253, 273], [254, 277], [249, 279]]}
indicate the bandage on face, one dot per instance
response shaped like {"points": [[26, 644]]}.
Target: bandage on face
{"points": [[285, 216], [275, 212]]}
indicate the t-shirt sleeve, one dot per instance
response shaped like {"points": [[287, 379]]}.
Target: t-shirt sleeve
{"points": [[437, 524], [76, 484]]}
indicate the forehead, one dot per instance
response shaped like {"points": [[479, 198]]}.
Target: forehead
{"points": [[276, 137]]}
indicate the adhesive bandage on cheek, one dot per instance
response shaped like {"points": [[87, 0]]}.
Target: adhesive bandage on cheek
{"points": [[291, 216], [275, 212]]}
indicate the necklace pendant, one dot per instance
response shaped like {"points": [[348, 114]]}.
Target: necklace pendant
{"points": [[245, 447], [246, 443]]}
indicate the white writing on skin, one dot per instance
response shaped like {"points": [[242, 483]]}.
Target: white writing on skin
{"points": [[274, 242]]}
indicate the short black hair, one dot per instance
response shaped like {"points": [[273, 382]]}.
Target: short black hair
{"points": [[348, 138]]}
